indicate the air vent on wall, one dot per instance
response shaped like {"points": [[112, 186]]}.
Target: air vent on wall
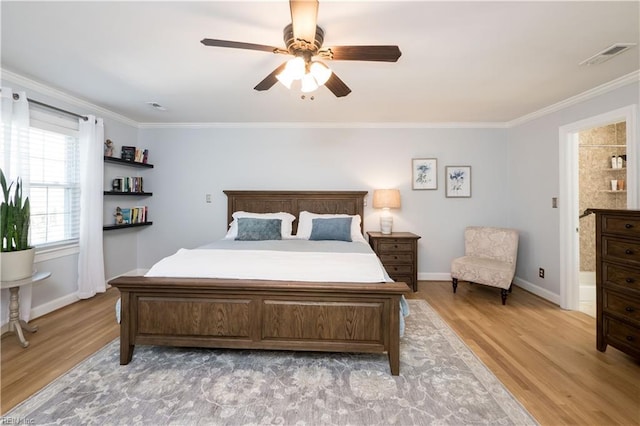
{"points": [[607, 53]]}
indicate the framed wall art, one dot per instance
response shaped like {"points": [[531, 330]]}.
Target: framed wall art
{"points": [[424, 174], [458, 181]]}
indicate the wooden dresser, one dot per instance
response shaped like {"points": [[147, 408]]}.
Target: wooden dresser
{"points": [[618, 280], [398, 252]]}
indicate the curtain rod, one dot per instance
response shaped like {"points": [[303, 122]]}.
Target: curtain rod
{"points": [[16, 96]]}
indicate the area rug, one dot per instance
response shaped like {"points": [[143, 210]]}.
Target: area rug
{"points": [[441, 382]]}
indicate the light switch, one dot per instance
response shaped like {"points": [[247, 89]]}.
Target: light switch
{"points": [[208, 198]]}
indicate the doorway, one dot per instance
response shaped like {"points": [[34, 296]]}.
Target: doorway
{"points": [[602, 178], [605, 129]]}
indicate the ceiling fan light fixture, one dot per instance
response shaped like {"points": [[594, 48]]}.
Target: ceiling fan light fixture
{"points": [[320, 72], [285, 78], [309, 83], [296, 67]]}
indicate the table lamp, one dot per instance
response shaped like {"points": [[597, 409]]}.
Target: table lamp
{"points": [[386, 199]]}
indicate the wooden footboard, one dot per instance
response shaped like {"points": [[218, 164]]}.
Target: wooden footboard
{"points": [[277, 315]]}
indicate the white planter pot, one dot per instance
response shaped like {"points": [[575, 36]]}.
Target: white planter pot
{"points": [[16, 265]]}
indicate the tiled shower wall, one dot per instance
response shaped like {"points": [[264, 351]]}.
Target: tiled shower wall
{"points": [[595, 175]]}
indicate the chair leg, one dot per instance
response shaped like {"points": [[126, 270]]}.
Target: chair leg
{"points": [[504, 292], [510, 287], [454, 281]]}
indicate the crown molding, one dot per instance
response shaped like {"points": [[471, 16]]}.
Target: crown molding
{"points": [[632, 77], [322, 125], [43, 89]]}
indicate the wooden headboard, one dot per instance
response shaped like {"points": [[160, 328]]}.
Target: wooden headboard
{"points": [[324, 202]]}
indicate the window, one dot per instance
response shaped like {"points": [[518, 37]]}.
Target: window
{"points": [[55, 187], [52, 153]]}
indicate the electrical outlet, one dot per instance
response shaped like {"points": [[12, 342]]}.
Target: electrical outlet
{"points": [[541, 272]]}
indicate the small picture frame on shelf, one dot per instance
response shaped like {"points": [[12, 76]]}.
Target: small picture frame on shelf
{"points": [[458, 181], [116, 185], [128, 153], [424, 173]]}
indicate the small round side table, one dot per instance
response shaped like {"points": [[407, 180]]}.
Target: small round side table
{"points": [[15, 323]]}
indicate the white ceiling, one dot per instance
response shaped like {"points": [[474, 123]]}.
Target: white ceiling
{"points": [[461, 61]]}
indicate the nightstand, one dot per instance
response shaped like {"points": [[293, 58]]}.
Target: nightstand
{"points": [[398, 252]]}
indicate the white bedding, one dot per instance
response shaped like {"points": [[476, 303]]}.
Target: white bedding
{"points": [[288, 260]]}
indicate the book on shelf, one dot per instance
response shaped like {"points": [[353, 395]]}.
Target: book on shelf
{"points": [[131, 215], [126, 216], [128, 184]]}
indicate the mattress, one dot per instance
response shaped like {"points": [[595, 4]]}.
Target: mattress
{"points": [[281, 260]]}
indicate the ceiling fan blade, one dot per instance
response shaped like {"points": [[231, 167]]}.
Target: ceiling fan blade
{"points": [[363, 53], [239, 45], [270, 80], [304, 18], [337, 86]]}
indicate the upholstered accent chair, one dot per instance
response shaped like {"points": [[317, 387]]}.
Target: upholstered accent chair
{"points": [[489, 258]]}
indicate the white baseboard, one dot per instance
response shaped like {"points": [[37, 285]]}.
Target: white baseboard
{"points": [[537, 290], [530, 287], [47, 308], [434, 276], [133, 272]]}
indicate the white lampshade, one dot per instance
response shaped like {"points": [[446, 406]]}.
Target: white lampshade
{"points": [[320, 72]]}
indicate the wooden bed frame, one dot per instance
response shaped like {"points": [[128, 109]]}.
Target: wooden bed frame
{"points": [[262, 314]]}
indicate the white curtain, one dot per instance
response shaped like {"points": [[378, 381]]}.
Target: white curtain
{"points": [[14, 151], [91, 278]]}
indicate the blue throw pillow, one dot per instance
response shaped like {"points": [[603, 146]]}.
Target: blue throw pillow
{"points": [[250, 229], [338, 228]]}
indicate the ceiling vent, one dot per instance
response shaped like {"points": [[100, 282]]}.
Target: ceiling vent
{"points": [[156, 105], [607, 53]]}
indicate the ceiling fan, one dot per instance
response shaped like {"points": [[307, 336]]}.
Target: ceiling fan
{"points": [[303, 40]]}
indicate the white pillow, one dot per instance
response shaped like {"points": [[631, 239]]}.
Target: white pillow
{"points": [[286, 218], [305, 224]]}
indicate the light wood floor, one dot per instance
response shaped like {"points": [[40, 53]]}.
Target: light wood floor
{"points": [[545, 356]]}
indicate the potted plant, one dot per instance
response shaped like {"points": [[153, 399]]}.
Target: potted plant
{"points": [[16, 256]]}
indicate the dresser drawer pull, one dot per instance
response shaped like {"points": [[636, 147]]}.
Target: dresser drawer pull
{"points": [[628, 226], [630, 338], [628, 251], [630, 280], [629, 309]]}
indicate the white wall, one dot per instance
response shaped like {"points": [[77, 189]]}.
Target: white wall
{"points": [[534, 180], [190, 163]]}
